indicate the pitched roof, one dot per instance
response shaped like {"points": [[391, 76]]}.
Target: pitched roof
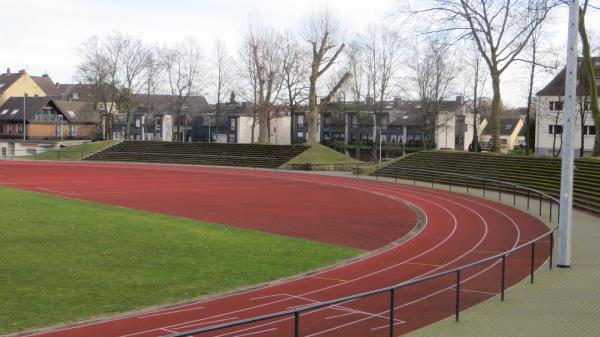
{"points": [[12, 109], [8, 79], [78, 112], [45, 82], [507, 127], [556, 87], [85, 92], [73, 112]]}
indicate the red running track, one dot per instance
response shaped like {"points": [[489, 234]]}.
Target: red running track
{"points": [[457, 229]]}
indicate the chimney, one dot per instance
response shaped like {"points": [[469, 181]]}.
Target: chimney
{"points": [[45, 76], [397, 101], [8, 70], [460, 99], [369, 101]]}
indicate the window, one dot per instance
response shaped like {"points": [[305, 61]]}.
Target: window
{"points": [[4, 112], [72, 131], [301, 120], [232, 124], [231, 138], [589, 130], [354, 122], [14, 112], [507, 127], [326, 135], [75, 95], [555, 129], [71, 113], [58, 130], [503, 141], [459, 140], [556, 106], [138, 123], [1, 85], [300, 135], [19, 128]]}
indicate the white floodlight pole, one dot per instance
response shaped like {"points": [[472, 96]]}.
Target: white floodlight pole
{"points": [[566, 185]]}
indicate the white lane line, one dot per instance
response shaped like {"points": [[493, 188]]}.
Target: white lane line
{"points": [[189, 326], [56, 192], [387, 326], [268, 296], [477, 291], [169, 312], [254, 333], [342, 315]]}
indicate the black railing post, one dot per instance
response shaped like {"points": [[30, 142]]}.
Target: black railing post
{"points": [[392, 304], [541, 200], [499, 192], [551, 249], [414, 177], [514, 195], [467, 179], [502, 280], [457, 309], [484, 188], [528, 194], [296, 324], [432, 180], [551, 210], [532, 260]]}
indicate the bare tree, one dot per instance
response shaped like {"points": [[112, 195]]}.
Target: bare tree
{"points": [[433, 72], [321, 30], [591, 76], [264, 44], [133, 63], [382, 47], [154, 77], [182, 71], [479, 78], [222, 76], [356, 87], [294, 79], [501, 30], [100, 69]]}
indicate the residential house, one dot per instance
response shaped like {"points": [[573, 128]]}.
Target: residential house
{"points": [[19, 84], [512, 134], [43, 118], [549, 117]]}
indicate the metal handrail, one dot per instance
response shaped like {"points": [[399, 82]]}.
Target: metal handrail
{"points": [[299, 310]]}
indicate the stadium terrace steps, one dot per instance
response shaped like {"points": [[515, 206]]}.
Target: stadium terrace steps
{"points": [[536, 172], [244, 155]]}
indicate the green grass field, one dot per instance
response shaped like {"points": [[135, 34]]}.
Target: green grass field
{"points": [[63, 260], [320, 154], [71, 153]]}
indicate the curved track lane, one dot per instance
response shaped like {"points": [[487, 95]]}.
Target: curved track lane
{"points": [[457, 229]]}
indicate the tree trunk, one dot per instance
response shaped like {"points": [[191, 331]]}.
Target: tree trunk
{"points": [[314, 111], [263, 126], [496, 113], [589, 67]]}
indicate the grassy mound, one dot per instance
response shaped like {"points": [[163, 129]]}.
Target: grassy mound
{"points": [[64, 260], [71, 153], [320, 154]]}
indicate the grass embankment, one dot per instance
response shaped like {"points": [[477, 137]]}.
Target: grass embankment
{"points": [[72, 153], [64, 260], [321, 154]]}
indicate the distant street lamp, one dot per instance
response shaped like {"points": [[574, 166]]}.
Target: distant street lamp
{"points": [[24, 119]]}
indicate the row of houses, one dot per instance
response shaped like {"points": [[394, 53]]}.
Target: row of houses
{"points": [[60, 112]]}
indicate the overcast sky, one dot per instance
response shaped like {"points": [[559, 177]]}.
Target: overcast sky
{"points": [[45, 35]]}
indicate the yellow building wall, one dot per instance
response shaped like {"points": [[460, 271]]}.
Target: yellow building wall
{"points": [[24, 84]]}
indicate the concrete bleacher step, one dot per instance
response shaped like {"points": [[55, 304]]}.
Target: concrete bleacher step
{"points": [[535, 172], [243, 155]]}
